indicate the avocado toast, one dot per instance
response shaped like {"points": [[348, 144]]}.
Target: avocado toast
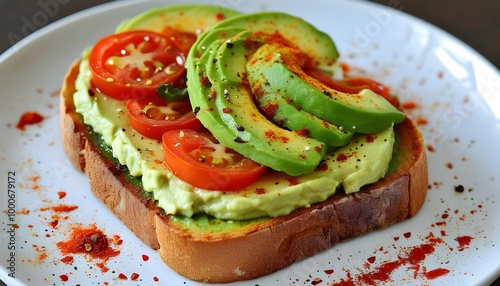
{"points": [[208, 247]]}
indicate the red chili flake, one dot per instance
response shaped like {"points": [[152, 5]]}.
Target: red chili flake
{"points": [[28, 118], [134, 276], [316, 281], [409, 105], [155, 279], [396, 238], [303, 132], [64, 277], [220, 16], [329, 271], [438, 272], [269, 110], [431, 148], [269, 133], [463, 242], [370, 138], [293, 181], [227, 110], [54, 223], [67, 259], [117, 240], [205, 81], [445, 216], [89, 241], [323, 166], [103, 267], [145, 257], [260, 191], [61, 194], [449, 165], [407, 234], [371, 259], [122, 276], [64, 208], [341, 157], [440, 74], [443, 233], [422, 121], [440, 223]]}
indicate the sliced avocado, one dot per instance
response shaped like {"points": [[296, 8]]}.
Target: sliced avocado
{"points": [[208, 38], [366, 112], [193, 18], [283, 112], [227, 109], [316, 44]]}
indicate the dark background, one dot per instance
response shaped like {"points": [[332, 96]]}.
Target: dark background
{"points": [[477, 23]]}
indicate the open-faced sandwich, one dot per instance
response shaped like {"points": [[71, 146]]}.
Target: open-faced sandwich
{"points": [[234, 143]]}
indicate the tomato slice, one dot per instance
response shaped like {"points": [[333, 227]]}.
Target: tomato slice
{"points": [[353, 85], [184, 40], [133, 64], [196, 159], [152, 119]]}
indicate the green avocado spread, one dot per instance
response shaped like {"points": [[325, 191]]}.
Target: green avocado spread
{"points": [[364, 160]]}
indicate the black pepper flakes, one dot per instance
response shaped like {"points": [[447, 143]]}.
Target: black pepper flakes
{"points": [[459, 189], [239, 140], [196, 110]]}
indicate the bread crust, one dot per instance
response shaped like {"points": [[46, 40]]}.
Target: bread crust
{"points": [[260, 248]]}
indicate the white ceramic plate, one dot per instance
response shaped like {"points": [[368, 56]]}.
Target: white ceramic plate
{"points": [[456, 90]]}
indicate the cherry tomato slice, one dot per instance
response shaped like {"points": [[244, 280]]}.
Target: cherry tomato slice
{"points": [[133, 64], [152, 119], [197, 160], [353, 85]]}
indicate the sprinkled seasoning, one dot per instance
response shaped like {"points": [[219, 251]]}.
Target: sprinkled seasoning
{"points": [[29, 118]]}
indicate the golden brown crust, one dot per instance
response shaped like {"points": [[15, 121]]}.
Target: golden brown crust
{"points": [[259, 248]]}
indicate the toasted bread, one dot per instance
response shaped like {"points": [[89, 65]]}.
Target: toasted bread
{"points": [[260, 246]]}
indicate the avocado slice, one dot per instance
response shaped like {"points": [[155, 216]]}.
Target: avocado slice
{"points": [[366, 112], [225, 106], [187, 18], [318, 45]]}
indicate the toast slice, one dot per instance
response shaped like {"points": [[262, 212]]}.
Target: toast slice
{"points": [[251, 249]]}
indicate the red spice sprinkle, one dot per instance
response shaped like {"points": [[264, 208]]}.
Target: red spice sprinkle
{"points": [[64, 277], [445, 216], [90, 241], [464, 242], [422, 121], [122, 276], [409, 105], [396, 238], [370, 138], [28, 118], [134, 276], [371, 259], [341, 157], [407, 234], [145, 257], [156, 279], [61, 194], [260, 191], [64, 208], [316, 281], [220, 16], [53, 223], [67, 259], [293, 181], [430, 148], [433, 274], [329, 271], [449, 165]]}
